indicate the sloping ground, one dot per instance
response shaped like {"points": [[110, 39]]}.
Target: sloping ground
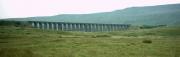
{"points": [[149, 15], [24, 42]]}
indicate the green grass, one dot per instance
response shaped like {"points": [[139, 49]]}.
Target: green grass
{"points": [[29, 42]]}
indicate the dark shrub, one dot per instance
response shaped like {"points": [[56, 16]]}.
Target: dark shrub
{"points": [[147, 27], [2, 32], [28, 33], [147, 41], [96, 36]]}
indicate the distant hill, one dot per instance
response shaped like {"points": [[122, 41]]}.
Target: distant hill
{"points": [[149, 15]]}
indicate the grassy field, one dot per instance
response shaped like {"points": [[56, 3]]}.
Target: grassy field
{"points": [[29, 42]]}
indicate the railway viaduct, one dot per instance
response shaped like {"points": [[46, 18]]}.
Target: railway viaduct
{"points": [[86, 27]]}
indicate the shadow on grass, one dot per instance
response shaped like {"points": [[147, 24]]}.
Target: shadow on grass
{"points": [[17, 52]]}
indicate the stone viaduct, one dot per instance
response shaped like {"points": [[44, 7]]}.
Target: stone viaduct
{"points": [[86, 27]]}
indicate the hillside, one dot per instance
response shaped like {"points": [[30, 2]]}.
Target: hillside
{"points": [[149, 15]]}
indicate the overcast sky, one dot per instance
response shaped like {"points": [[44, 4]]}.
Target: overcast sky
{"points": [[29, 8]]}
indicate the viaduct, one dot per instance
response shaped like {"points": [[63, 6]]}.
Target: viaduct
{"points": [[86, 27]]}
